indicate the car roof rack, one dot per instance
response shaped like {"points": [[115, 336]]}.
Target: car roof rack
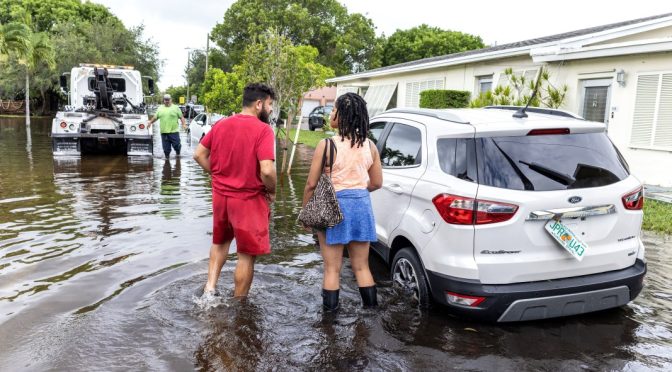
{"points": [[434, 113], [538, 110]]}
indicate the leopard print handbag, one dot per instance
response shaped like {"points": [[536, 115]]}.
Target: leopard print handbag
{"points": [[322, 210]]}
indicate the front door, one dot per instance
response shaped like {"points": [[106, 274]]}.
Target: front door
{"points": [[596, 97]]}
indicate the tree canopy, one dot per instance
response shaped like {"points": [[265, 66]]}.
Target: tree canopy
{"points": [[80, 32], [290, 69], [425, 41], [345, 42]]}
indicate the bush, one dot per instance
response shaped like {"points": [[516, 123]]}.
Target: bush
{"points": [[439, 98]]}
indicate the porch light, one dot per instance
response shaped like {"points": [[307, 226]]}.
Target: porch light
{"points": [[620, 77]]}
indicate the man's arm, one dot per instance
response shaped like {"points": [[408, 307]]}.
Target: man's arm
{"points": [[202, 157], [268, 177], [184, 123], [151, 121]]}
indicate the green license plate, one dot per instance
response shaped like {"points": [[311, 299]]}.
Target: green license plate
{"points": [[567, 239]]}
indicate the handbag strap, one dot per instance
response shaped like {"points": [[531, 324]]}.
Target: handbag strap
{"points": [[331, 146]]}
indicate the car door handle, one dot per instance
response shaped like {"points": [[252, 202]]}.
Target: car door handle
{"points": [[395, 188]]}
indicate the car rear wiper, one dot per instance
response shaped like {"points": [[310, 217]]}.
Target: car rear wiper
{"points": [[556, 176], [527, 184]]}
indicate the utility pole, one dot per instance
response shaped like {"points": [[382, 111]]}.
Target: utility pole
{"points": [[188, 63], [207, 51]]}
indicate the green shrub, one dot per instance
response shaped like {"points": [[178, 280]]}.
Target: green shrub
{"points": [[438, 98]]}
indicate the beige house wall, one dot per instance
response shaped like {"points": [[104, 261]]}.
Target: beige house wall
{"points": [[650, 166]]}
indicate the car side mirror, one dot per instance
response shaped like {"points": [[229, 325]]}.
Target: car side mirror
{"points": [[200, 123], [150, 86], [63, 80]]}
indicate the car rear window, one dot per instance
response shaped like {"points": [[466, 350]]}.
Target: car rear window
{"points": [[549, 162]]}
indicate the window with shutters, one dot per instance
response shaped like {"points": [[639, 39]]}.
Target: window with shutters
{"points": [[652, 118], [483, 84], [413, 90]]}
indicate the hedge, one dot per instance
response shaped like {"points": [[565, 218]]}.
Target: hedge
{"points": [[439, 98]]}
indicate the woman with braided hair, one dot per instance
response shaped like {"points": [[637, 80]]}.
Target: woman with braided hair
{"points": [[355, 172]]}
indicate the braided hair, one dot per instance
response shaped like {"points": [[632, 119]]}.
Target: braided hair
{"points": [[352, 118]]}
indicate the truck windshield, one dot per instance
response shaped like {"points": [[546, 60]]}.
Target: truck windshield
{"points": [[118, 84], [549, 162]]}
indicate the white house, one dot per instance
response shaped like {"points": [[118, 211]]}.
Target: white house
{"points": [[619, 73]]}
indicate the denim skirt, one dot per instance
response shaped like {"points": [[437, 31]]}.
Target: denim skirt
{"points": [[358, 224]]}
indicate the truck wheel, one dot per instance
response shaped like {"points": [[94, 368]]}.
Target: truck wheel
{"points": [[408, 274]]}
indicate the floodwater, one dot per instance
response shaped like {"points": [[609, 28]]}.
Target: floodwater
{"points": [[101, 257]]}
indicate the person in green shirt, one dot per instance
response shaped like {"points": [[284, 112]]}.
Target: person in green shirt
{"points": [[168, 116]]}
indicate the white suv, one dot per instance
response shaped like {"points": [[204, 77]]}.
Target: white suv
{"points": [[504, 218]]}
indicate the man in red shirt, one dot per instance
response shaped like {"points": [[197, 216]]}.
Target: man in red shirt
{"points": [[239, 152]]}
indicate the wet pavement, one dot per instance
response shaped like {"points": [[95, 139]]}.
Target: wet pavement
{"points": [[101, 257]]}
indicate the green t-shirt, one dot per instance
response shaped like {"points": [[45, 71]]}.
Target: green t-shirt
{"points": [[168, 117]]}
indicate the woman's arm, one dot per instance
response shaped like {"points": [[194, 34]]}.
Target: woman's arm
{"points": [[375, 170]]}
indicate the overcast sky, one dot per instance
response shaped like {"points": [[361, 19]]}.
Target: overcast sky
{"points": [[176, 25]]}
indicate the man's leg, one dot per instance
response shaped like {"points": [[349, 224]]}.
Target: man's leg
{"points": [[165, 143], [218, 253], [244, 274], [175, 140], [222, 235]]}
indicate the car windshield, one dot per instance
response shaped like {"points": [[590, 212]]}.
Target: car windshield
{"points": [[550, 162]]}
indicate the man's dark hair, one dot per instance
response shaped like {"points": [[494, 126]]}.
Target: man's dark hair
{"points": [[256, 91], [352, 118]]}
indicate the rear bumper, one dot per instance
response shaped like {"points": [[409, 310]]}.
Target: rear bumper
{"points": [[544, 299], [101, 135]]}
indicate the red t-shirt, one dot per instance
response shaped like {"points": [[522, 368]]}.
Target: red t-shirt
{"points": [[237, 144]]}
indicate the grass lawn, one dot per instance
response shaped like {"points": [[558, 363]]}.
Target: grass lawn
{"points": [[307, 137], [657, 216]]}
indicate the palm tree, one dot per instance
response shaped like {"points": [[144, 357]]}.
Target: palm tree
{"points": [[40, 52], [14, 39]]}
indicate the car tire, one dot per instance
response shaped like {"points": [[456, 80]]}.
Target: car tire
{"points": [[311, 128], [408, 274], [201, 139]]}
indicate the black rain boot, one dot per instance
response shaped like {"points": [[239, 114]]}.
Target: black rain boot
{"points": [[369, 296], [330, 299]]}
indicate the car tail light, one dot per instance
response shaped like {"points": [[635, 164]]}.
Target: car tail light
{"points": [[544, 132], [141, 126], [463, 300], [458, 210], [634, 201], [64, 124], [455, 210]]}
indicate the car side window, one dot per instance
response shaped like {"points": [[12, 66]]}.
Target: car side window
{"points": [[402, 147], [456, 157], [375, 130]]}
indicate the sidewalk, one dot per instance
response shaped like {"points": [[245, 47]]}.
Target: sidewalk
{"points": [[663, 194]]}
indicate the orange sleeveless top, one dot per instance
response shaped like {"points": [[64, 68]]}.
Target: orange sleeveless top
{"points": [[351, 168]]}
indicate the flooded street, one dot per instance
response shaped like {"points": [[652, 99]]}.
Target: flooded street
{"points": [[101, 259]]}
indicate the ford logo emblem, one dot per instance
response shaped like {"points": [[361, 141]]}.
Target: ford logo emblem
{"points": [[575, 199]]}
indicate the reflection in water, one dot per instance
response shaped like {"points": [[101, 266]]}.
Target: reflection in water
{"points": [[100, 258]]}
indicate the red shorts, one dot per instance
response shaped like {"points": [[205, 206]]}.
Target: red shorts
{"points": [[246, 220]]}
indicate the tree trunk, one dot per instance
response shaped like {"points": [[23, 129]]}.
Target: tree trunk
{"points": [[27, 98], [296, 137], [288, 124], [45, 102]]}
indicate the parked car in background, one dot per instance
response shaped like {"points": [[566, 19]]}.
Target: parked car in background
{"points": [[506, 218], [201, 125], [316, 118], [198, 109]]}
